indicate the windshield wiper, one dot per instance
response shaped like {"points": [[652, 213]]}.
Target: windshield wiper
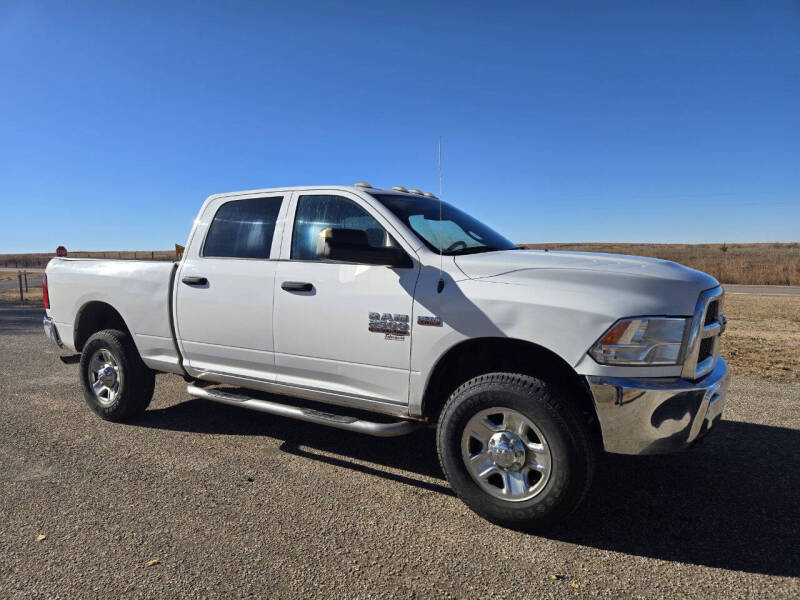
{"points": [[475, 250]]}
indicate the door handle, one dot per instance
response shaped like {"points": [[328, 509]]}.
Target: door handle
{"points": [[194, 280], [297, 286]]}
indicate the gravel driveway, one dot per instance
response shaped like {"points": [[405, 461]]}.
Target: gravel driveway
{"points": [[235, 503]]}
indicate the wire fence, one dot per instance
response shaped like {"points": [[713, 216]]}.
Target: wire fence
{"points": [[40, 260], [21, 287]]}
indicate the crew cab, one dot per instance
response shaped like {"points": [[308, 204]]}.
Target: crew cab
{"points": [[392, 303]]}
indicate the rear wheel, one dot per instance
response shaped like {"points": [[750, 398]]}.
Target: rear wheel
{"points": [[116, 383], [515, 450]]}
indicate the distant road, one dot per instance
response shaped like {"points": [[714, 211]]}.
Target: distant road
{"points": [[763, 290]]}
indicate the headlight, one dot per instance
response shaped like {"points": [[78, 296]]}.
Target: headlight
{"points": [[642, 341]]}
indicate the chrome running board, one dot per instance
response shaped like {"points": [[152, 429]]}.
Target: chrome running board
{"points": [[393, 429]]}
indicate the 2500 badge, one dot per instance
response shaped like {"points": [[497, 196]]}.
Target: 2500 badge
{"points": [[390, 324]]}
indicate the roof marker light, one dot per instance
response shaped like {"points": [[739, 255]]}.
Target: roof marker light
{"points": [[400, 188], [363, 184], [415, 191]]}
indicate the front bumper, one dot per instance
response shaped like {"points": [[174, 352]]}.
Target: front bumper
{"points": [[657, 415], [51, 331]]}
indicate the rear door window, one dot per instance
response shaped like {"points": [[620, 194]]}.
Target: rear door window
{"points": [[243, 228]]}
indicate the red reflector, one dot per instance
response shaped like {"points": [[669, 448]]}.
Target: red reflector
{"points": [[45, 295]]}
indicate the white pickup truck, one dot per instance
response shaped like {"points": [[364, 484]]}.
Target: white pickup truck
{"points": [[528, 362]]}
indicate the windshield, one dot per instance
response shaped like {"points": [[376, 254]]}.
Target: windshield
{"points": [[458, 233]]}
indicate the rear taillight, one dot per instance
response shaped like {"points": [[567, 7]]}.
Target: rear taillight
{"points": [[45, 295]]}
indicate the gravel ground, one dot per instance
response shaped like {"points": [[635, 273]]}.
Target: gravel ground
{"points": [[233, 503]]}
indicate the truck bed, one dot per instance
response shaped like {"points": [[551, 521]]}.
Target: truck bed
{"points": [[138, 290]]}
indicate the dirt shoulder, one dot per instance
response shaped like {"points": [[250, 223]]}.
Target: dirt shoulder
{"points": [[763, 336], [33, 297]]}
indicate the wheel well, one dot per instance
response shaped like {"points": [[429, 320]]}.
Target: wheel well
{"points": [[486, 355], [94, 317]]}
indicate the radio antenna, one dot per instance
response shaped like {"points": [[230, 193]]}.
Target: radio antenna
{"points": [[440, 285]]}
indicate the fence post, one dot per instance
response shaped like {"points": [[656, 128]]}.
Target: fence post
{"points": [[26, 279], [19, 280]]}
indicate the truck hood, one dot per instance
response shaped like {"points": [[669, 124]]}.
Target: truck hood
{"points": [[494, 264], [667, 286]]}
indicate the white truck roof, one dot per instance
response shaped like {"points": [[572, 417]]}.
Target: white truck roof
{"points": [[300, 188]]}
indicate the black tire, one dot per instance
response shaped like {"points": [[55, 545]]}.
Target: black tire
{"points": [[136, 381], [571, 451]]}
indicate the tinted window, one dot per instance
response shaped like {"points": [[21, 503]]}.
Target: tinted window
{"points": [[315, 213], [243, 228]]}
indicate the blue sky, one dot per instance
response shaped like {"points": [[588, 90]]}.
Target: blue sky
{"points": [[562, 121]]}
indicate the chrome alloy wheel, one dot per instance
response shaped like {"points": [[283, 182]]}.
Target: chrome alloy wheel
{"points": [[506, 454], [105, 376]]}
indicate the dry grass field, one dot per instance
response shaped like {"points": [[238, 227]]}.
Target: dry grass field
{"points": [[757, 264]]}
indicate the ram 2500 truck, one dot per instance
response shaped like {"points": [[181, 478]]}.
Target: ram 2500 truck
{"points": [[528, 363]]}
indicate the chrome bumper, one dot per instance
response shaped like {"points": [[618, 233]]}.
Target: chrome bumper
{"points": [[655, 416], [51, 331]]}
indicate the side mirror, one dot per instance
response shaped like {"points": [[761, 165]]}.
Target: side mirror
{"points": [[352, 246]]}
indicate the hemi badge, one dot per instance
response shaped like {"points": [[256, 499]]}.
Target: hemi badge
{"points": [[432, 321]]}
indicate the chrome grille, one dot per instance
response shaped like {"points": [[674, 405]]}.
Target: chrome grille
{"points": [[712, 312], [706, 349], [702, 345]]}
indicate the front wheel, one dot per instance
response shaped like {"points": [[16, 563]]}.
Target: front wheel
{"points": [[116, 383], [515, 450]]}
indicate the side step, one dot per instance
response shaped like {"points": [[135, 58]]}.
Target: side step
{"points": [[393, 429]]}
